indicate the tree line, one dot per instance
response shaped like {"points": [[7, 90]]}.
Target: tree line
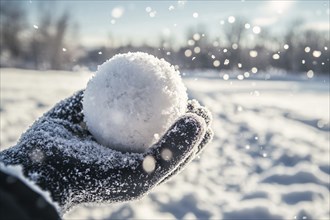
{"points": [[47, 46]]}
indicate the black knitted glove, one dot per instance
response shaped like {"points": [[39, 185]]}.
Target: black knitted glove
{"points": [[59, 154]]}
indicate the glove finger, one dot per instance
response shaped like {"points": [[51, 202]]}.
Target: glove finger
{"points": [[175, 146], [194, 107], [69, 109], [207, 138], [178, 169]]}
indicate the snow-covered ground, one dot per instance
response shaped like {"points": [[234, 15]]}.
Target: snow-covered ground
{"points": [[269, 158]]}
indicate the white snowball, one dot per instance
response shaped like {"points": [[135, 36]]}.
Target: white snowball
{"points": [[132, 100]]}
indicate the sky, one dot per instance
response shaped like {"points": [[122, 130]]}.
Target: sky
{"points": [[106, 23]]}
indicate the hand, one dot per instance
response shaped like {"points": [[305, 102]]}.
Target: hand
{"points": [[59, 154]]}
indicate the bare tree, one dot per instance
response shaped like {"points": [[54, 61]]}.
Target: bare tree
{"points": [[48, 41], [58, 40], [235, 34], [292, 58], [12, 24]]}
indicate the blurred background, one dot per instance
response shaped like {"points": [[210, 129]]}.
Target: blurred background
{"points": [[65, 35], [261, 67]]}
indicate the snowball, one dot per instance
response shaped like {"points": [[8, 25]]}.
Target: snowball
{"points": [[132, 100]]}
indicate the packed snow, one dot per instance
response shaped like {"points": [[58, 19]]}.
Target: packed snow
{"points": [[269, 158], [132, 101]]}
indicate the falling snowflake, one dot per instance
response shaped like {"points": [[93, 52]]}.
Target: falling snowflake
{"points": [[197, 37], [256, 29], [149, 164], [253, 53], [152, 14], [166, 154], [117, 12], [254, 70], [240, 77], [246, 74], [171, 8], [276, 56], [191, 42], [225, 77], [317, 53], [231, 19], [216, 63], [188, 53], [310, 74], [197, 50]]}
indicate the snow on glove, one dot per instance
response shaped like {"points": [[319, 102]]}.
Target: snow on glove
{"points": [[59, 154]]}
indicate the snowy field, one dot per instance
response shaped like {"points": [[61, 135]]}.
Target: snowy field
{"points": [[269, 158]]}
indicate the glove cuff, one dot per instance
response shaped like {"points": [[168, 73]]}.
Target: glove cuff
{"points": [[12, 176]]}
